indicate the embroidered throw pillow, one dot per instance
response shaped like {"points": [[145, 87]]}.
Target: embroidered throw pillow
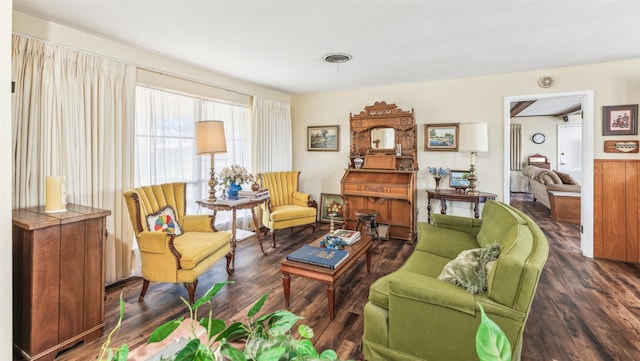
{"points": [[164, 220], [470, 268]]}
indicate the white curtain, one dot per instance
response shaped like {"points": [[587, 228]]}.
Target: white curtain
{"points": [[73, 117], [165, 143], [272, 136], [517, 181]]}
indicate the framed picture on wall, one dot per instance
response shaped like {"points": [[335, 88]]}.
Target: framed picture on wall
{"points": [[331, 203], [620, 119], [441, 137], [324, 138]]}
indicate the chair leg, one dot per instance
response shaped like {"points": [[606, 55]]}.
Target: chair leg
{"points": [[191, 289], [145, 285], [231, 264], [273, 238]]}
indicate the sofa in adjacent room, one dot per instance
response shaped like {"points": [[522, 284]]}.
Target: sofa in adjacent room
{"points": [[413, 315], [541, 181]]}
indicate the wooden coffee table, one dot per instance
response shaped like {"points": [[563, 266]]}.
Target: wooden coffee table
{"points": [[322, 274]]}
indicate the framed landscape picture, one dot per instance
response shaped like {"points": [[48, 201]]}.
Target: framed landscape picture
{"points": [[441, 137], [331, 203], [459, 179], [620, 119], [325, 138]]}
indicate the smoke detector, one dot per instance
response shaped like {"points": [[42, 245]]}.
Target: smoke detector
{"points": [[546, 82]]}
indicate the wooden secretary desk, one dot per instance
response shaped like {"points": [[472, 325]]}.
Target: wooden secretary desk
{"points": [[382, 172]]}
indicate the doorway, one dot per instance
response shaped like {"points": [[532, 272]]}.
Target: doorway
{"points": [[586, 234]]}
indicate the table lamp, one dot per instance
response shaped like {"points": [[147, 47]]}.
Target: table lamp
{"points": [[474, 139], [209, 139]]}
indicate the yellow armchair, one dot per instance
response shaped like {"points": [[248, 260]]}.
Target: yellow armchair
{"points": [[174, 247], [287, 206]]}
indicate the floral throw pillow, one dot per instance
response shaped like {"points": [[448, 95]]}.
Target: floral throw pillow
{"points": [[164, 220]]}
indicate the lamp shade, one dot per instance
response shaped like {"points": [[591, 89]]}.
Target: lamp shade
{"points": [[209, 137], [473, 137]]}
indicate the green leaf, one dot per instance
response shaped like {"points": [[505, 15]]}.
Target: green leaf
{"points": [[282, 322], [189, 351], [231, 352], [491, 342], [257, 306], [272, 354], [328, 355], [164, 330], [234, 331], [121, 354], [305, 331], [209, 294], [305, 347], [217, 326]]}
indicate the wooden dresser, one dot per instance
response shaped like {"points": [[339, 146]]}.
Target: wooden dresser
{"points": [[58, 279], [383, 136]]}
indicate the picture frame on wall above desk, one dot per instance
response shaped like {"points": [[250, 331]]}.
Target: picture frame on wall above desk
{"points": [[323, 138], [441, 137]]}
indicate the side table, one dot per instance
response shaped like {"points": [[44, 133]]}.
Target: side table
{"points": [[445, 195], [233, 206]]}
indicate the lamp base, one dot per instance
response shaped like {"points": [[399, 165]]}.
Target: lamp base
{"points": [[472, 175]]}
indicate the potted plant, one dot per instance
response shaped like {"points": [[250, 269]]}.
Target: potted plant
{"points": [[266, 338]]}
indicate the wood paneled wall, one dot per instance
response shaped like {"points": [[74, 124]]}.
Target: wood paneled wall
{"points": [[616, 214]]}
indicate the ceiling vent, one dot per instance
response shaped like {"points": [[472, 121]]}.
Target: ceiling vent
{"points": [[337, 58]]}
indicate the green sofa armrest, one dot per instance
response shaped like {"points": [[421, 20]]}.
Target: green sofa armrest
{"points": [[462, 224], [197, 223]]}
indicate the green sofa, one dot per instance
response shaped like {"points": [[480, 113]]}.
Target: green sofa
{"points": [[412, 315]]}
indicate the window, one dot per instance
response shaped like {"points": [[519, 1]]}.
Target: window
{"points": [[164, 140]]}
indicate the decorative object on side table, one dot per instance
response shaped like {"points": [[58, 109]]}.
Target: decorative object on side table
{"points": [[438, 174], [233, 177], [209, 139], [332, 242], [473, 138]]}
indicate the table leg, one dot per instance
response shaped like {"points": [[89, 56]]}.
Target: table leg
{"points": [[255, 223], [368, 259], [443, 206], [233, 240], [286, 286], [476, 211], [330, 299], [428, 210]]}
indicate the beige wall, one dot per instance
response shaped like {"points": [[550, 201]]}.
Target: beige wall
{"points": [[478, 99]]}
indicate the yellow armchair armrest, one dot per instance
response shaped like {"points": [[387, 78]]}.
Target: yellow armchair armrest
{"points": [[154, 242], [197, 223], [301, 199]]}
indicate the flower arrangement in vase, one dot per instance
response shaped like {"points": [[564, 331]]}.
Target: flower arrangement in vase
{"points": [[233, 177], [438, 173]]}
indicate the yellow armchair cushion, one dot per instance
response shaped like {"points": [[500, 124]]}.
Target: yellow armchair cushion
{"points": [[283, 213], [196, 246]]}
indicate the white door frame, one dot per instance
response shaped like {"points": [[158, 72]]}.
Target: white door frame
{"points": [[586, 208]]}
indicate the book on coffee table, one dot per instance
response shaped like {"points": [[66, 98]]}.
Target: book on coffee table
{"points": [[347, 235], [319, 256]]}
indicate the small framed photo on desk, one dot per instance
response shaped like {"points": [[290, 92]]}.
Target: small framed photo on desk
{"points": [[459, 179]]}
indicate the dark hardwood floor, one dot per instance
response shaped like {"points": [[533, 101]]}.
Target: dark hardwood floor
{"points": [[584, 309]]}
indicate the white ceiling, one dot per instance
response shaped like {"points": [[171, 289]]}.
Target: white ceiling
{"points": [[281, 44]]}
